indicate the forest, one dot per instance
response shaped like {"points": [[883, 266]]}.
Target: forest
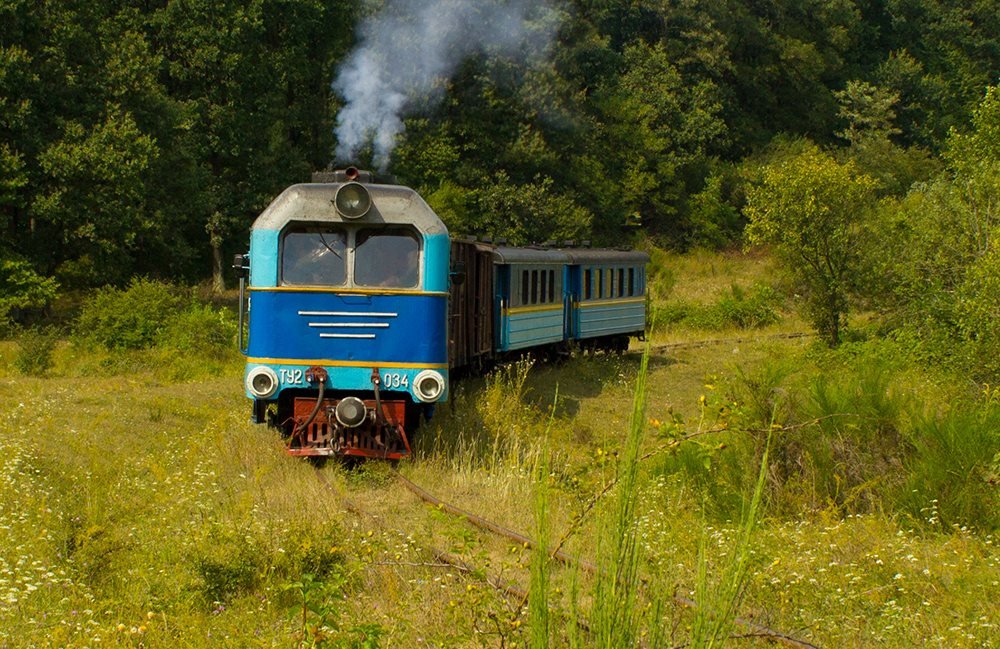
{"points": [[142, 139]]}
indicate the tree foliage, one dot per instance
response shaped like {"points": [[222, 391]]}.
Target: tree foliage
{"points": [[142, 139], [811, 208]]}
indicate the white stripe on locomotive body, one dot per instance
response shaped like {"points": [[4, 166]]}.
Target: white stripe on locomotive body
{"points": [[368, 325], [360, 314], [347, 336]]}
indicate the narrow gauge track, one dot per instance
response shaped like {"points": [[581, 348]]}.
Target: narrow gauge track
{"points": [[515, 592], [694, 344]]}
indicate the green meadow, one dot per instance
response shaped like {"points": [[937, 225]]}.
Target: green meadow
{"points": [[845, 497]]}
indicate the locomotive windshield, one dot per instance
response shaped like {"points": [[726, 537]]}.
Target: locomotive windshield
{"points": [[387, 257], [316, 257], [337, 256]]}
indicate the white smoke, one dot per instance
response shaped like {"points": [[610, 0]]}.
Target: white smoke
{"points": [[406, 49]]}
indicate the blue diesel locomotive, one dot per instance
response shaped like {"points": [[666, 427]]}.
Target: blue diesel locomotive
{"points": [[359, 306]]}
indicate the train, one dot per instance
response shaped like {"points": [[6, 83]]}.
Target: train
{"points": [[357, 309]]}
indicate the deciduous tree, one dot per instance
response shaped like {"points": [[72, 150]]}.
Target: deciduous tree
{"points": [[810, 208]]}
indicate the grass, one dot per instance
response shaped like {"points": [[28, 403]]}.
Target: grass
{"points": [[138, 506]]}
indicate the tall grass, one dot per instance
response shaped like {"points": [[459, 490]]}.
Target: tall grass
{"points": [[850, 437], [538, 601], [490, 430], [952, 474], [716, 610], [616, 615]]}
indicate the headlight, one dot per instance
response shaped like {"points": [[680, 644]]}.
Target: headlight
{"points": [[350, 412], [352, 200], [262, 382], [428, 386]]}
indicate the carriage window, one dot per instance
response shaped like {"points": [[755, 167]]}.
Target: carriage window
{"points": [[314, 257], [611, 282], [534, 287], [621, 282], [631, 281], [545, 277], [600, 283], [387, 257], [552, 286], [586, 284]]}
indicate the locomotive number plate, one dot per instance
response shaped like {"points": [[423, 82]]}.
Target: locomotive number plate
{"points": [[394, 380], [292, 377]]}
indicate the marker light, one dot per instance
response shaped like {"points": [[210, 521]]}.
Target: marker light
{"points": [[428, 386], [352, 200], [262, 382]]}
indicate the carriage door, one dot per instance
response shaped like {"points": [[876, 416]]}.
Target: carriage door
{"points": [[501, 323], [571, 291]]}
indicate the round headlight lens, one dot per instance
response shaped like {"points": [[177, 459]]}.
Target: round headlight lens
{"points": [[428, 386], [262, 382], [353, 201], [350, 412]]}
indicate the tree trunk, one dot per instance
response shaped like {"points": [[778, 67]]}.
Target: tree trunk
{"points": [[218, 280]]}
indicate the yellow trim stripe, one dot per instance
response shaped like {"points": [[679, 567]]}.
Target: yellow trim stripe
{"points": [[631, 300], [532, 309], [343, 291], [332, 363]]}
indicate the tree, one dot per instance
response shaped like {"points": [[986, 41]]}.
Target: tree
{"points": [[810, 208], [253, 82]]}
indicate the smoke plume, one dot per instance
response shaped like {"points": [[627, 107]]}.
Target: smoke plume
{"points": [[409, 47]]}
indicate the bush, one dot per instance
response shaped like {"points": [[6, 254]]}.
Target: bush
{"points": [[199, 329], [150, 314], [744, 309], [130, 318], [21, 288], [34, 351], [739, 309]]}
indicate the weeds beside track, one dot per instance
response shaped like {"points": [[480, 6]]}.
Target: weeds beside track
{"points": [[517, 595]]}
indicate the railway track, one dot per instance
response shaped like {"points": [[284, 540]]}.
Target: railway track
{"points": [[517, 595], [695, 344]]}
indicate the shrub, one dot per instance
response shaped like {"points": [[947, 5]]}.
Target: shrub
{"points": [[34, 351], [22, 288], [129, 318], [671, 313], [744, 309], [199, 329], [738, 309]]}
